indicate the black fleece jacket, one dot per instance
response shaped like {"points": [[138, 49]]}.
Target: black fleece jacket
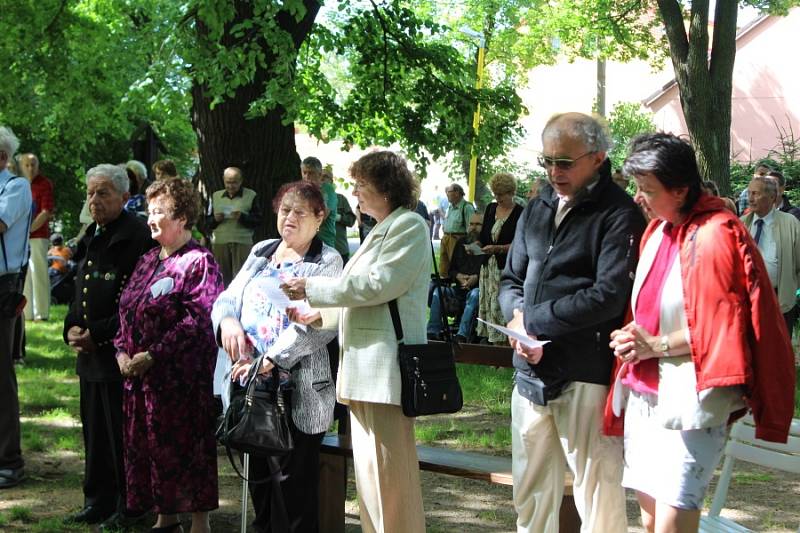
{"points": [[573, 283]]}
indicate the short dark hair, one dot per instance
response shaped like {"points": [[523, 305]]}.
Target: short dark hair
{"points": [[166, 166], [389, 174], [308, 191], [455, 187], [184, 197], [778, 176], [670, 159], [312, 162]]}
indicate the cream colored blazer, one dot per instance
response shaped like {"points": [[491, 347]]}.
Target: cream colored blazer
{"points": [[394, 261]]}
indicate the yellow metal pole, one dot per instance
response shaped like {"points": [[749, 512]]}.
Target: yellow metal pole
{"points": [[476, 122]]}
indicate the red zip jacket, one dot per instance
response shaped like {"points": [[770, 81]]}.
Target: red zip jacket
{"points": [[738, 335]]}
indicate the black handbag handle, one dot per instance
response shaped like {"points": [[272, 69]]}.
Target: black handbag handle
{"points": [[393, 311]]}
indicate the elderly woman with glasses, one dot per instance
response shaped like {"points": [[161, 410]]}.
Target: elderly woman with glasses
{"points": [[706, 344], [249, 325], [393, 263], [166, 352]]}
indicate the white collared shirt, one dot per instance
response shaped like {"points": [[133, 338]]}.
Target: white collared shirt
{"points": [[767, 244]]}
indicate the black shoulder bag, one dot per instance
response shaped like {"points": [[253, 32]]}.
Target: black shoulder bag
{"points": [[256, 421], [427, 372]]}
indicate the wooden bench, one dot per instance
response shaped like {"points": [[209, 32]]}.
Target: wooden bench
{"points": [[336, 450]]}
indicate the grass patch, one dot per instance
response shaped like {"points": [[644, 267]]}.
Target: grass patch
{"points": [[752, 478], [19, 513]]}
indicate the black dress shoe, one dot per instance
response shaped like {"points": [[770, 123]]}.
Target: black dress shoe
{"points": [[11, 477], [91, 514], [120, 522]]}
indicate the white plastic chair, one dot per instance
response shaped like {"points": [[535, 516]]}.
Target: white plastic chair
{"points": [[743, 445]]}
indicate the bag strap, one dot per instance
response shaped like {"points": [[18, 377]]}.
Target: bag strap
{"points": [[3, 235], [395, 313]]}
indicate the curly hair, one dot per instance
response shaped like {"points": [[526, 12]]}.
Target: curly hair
{"points": [[388, 173], [166, 166], [181, 194], [503, 183], [308, 191]]}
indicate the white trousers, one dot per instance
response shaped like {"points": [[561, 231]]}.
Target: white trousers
{"points": [[37, 282], [386, 469], [566, 432]]}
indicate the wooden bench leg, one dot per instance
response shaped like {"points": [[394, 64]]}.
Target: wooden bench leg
{"points": [[568, 519], [332, 492]]}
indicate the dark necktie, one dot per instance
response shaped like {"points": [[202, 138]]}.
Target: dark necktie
{"points": [[759, 229]]}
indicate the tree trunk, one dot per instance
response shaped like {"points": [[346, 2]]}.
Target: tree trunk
{"points": [[262, 147], [705, 84]]}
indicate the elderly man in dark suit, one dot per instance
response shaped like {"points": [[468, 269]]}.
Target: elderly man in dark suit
{"points": [[106, 256]]}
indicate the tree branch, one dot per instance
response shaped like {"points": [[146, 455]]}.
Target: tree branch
{"points": [[676, 35], [723, 47], [385, 48], [61, 7]]}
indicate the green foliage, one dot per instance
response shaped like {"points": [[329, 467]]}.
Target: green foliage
{"points": [[783, 157], [626, 121]]}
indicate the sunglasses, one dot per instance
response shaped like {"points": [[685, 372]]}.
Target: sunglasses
{"points": [[563, 163]]}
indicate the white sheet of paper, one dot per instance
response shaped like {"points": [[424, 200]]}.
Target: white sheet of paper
{"points": [[516, 335], [279, 299], [474, 249]]}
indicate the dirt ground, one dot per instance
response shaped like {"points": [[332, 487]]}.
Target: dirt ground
{"points": [[765, 500]]}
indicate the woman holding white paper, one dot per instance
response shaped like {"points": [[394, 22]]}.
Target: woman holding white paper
{"points": [[248, 321]]}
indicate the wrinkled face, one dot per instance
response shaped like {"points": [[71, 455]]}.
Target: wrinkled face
{"points": [[297, 223], [370, 201], [233, 182], [569, 163], [453, 195], [656, 200], [105, 201], [164, 228], [503, 198], [30, 166], [760, 201], [311, 174]]}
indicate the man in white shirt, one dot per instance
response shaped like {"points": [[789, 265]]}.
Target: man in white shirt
{"points": [[777, 235]]}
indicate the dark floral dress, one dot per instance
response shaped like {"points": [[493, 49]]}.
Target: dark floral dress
{"points": [[170, 449]]}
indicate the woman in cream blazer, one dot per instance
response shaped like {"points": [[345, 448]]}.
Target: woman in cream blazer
{"points": [[393, 262]]}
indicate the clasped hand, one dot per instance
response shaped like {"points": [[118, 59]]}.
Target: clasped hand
{"points": [[632, 343], [80, 340], [136, 366]]}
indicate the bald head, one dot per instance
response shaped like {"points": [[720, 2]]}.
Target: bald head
{"points": [[232, 178], [29, 165]]}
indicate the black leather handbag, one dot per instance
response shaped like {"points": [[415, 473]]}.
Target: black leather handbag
{"points": [[428, 374], [256, 421]]}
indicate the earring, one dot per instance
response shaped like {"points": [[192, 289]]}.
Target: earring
{"points": [[318, 229]]}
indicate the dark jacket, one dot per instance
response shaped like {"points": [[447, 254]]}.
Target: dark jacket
{"points": [[105, 262], [506, 232], [787, 207], [573, 284]]}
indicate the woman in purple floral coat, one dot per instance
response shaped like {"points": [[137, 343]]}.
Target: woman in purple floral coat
{"points": [[166, 350]]}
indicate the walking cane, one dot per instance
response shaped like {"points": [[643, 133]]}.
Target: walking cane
{"points": [[246, 467]]}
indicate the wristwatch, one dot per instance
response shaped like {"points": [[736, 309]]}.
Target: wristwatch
{"points": [[663, 346]]}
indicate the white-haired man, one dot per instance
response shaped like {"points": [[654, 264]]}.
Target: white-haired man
{"points": [[777, 235], [105, 258], [568, 278], [15, 218]]}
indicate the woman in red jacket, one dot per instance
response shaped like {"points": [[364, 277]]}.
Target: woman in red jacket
{"points": [[707, 341]]}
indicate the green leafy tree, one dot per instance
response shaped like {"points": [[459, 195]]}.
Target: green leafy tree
{"points": [[626, 121]]}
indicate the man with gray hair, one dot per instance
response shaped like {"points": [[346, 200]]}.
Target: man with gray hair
{"points": [[105, 258], [37, 282], [15, 218], [567, 280], [311, 170], [777, 235]]}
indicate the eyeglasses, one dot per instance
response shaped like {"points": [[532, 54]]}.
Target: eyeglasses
{"points": [[298, 213], [563, 163]]}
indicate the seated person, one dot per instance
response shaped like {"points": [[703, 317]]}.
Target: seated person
{"points": [[464, 271], [58, 256]]}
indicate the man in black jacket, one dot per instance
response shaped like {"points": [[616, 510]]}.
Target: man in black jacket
{"points": [[106, 257], [567, 280]]}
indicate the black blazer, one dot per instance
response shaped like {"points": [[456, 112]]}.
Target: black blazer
{"points": [[506, 232]]}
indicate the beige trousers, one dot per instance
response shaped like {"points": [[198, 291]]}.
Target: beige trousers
{"points": [[230, 257], [446, 248], [37, 282], [566, 432], [386, 469]]}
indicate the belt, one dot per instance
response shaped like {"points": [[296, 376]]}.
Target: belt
{"points": [[453, 233]]}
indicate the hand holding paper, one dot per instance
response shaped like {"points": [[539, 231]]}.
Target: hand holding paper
{"points": [[522, 338]]}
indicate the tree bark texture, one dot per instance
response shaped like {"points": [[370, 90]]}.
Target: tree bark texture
{"points": [[705, 83], [262, 147]]}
